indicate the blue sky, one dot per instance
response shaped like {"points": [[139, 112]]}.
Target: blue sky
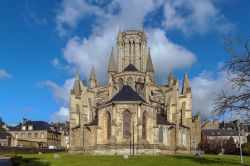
{"points": [[42, 43]]}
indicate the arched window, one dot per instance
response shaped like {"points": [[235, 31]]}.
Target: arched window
{"points": [[77, 109], [129, 81], [144, 125], [126, 124], [129, 47], [139, 87], [108, 119], [120, 83], [163, 135]]}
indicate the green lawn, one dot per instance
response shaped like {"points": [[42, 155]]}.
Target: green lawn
{"points": [[81, 160]]}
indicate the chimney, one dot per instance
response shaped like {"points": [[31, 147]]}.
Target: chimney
{"points": [[24, 121]]}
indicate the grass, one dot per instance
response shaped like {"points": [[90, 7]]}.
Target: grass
{"points": [[79, 160]]}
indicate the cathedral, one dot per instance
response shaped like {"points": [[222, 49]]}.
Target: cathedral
{"points": [[132, 114]]}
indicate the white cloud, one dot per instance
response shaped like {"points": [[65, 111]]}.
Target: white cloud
{"points": [[204, 89], [167, 55], [60, 93], [194, 16], [4, 74], [61, 116], [95, 50], [71, 11]]}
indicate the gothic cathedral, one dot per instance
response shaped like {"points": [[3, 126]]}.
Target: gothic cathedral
{"points": [[132, 114]]}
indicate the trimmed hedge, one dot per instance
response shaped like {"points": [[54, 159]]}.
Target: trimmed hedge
{"points": [[19, 150]]}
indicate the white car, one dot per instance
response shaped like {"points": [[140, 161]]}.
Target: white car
{"points": [[21, 146]]}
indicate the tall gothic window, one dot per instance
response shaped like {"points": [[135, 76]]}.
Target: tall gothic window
{"points": [[139, 87], [126, 124], [144, 125], [120, 83], [108, 119], [129, 47], [129, 81], [163, 135]]}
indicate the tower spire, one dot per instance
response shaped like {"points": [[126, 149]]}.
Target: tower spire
{"points": [[185, 86], [92, 78], [112, 67], [92, 74], [77, 87], [149, 65]]}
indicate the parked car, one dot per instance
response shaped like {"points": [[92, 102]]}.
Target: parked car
{"points": [[53, 147], [2, 144], [21, 146]]}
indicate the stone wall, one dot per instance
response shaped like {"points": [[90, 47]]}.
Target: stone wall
{"points": [[19, 150]]}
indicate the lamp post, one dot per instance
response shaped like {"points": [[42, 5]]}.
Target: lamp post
{"points": [[241, 158]]}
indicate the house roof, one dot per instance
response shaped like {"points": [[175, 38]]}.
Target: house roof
{"points": [[37, 125], [127, 94], [130, 67], [222, 132], [161, 119]]}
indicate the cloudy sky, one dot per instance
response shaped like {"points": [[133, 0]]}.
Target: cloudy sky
{"points": [[43, 42]]}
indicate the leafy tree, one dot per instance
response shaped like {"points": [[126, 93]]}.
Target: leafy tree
{"points": [[230, 146]]}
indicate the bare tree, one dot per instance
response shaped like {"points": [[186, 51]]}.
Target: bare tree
{"points": [[235, 99]]}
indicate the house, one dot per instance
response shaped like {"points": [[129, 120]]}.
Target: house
{"points": [[35, 134]]}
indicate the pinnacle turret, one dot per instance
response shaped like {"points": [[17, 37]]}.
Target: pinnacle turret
{"points": [[77, 87], [92, 74], [112, 67], [185, 86], [149, 65]]}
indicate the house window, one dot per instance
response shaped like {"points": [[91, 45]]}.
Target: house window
{"points": [[36, 135], [42, 135], [23, 135], [23, 127], [29, 135], [126, 124], [108, 118], [144, 125], [30, 127], [16, 135]]}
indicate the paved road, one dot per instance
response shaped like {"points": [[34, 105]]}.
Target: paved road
{"points": [[5, 162]]}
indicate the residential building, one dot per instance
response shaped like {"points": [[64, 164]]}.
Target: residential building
{"points": [[35, 134]]}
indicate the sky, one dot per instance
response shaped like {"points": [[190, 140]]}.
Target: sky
{"points": [[43, 42]]}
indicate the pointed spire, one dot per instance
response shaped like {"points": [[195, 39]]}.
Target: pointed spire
{"points": [[112, 62], [171, 78], [77, 87], [149, 65], [185, 85], [171, 75], [92, 74]]}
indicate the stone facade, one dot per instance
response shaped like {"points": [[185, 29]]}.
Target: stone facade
{"points": [[132, 114]]}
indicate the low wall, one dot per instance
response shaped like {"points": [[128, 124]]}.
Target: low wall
{"points": [[19, 150], [124, 149]]}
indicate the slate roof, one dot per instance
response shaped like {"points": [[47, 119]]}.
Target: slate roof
{"points": [[130, 67], [161, 119], [37, 125], [218, 132], [127, 94]]}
